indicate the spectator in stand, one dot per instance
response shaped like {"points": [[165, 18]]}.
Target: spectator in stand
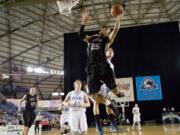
{"points": [[37, 122]]}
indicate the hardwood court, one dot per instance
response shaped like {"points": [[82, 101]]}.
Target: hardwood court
{"points": [[146, 130]]}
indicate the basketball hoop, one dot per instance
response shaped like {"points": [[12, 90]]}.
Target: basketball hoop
{"points": [[65, 6], [122, 104]]}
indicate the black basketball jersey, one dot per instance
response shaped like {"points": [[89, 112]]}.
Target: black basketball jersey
{"points": [[30, 102], [96, 50]]}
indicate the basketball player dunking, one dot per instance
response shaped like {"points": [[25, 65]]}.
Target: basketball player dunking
{"points": [[31, 102], [98, 68], [77, 101]]}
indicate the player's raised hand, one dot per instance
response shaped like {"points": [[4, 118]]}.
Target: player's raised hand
{"points": [[85, 17]]}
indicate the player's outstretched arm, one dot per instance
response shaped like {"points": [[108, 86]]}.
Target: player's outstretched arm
{"points": [[85, 20], [22, 99], [115, 30], [66, 100], [133, 111], [139, 112], [37, 101], [87, 102]]}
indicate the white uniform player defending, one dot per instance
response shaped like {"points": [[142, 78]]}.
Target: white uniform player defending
{"points": [[104, 91], [136, 116], [77, 101]]}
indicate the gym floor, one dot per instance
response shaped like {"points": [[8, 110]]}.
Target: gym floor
{"points": [[146, 130]]}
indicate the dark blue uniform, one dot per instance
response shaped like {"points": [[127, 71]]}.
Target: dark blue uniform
{"points": [[29, 112], [98, 69]]}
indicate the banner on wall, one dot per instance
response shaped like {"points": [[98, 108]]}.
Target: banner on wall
{"points": [[148, 88], [125, 86]]}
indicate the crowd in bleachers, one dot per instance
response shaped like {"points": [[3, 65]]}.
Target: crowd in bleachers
{"points": [[9, 115]]}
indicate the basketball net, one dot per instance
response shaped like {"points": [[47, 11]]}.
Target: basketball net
{"points": [[122, 104], [65, 6]]}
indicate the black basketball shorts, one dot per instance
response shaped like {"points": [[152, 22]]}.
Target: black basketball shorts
{"points": [[28, 117], [98, 74]]}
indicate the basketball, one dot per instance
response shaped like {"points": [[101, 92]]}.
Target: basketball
{"points": [[116, 9]]}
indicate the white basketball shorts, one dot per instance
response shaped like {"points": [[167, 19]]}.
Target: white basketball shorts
{"points": [[78, 121]]}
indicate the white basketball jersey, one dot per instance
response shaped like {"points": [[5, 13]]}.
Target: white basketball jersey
{"points": [[136, 111], [75, 99], [104, 90]]}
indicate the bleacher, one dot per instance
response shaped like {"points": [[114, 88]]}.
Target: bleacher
{"points": [[11, 111]]}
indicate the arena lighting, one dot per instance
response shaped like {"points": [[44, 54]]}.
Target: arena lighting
{"points": [[62, 73], [5, 76], [61, 93], [55, 94], [41, 70], [38, 70], [30, 69], [45, 72], [164, 109], [54, 72]]}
